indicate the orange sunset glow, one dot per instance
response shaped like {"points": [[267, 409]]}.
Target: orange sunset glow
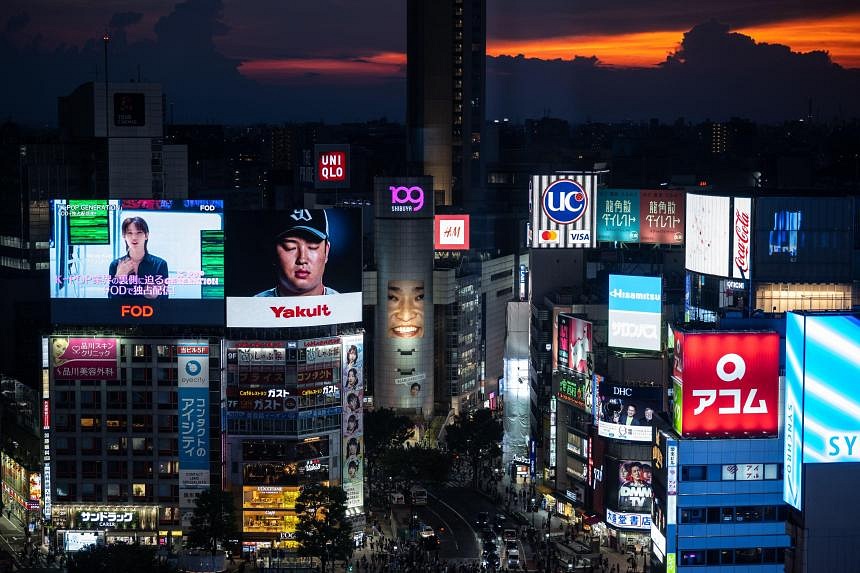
{"points": [[839, 35]]}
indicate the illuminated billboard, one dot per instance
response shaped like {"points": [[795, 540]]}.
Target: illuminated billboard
{"points": [[84, 358], [618, 215], [562, 211], [137, 261], [634, 486], [193, 384], [332, 166], [575, 390], [661, 217], [707, 225], [575, 345], [625, 412], [742, 239], [640, 216], [352, 368], [635, 312], [451, 232], [726, 384], [404, 197], [822, 411], [293, 268]]}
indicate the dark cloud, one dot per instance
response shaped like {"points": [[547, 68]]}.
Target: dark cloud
{"points": [[125, 19], [714, 74], [515, 19], [17, 22]]}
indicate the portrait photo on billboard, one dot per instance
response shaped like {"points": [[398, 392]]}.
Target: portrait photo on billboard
{"points": [[627, 412], [405, 308], [120, 260], [634, 486], [575, 345], [308, 260]]}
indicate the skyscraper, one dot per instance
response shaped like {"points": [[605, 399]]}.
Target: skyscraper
{"points": [[445, 88]]}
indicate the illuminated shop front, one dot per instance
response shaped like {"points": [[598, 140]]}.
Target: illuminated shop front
{"points": [[21, 489], [784, 297], [79, 525]]}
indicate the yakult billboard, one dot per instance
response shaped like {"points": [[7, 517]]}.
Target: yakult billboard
{"points": [[293, 268], [726, 384]]}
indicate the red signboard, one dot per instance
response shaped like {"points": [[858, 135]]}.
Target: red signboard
{"points": [[451, 232], [730, 383], [661, 217]]}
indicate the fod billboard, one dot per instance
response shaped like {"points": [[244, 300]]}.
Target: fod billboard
{"points": [[627, 412], [562, 213], [822, 411], [294, 268], [574, 345], [635, 312], [136, 261], [726, 384]]}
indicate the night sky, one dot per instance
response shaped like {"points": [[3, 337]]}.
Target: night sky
{"points": [[238, 61]]}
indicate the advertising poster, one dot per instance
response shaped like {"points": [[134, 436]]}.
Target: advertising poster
{"points": [[575, 345], [556, 311], [403, 239], [293, 268], [562, 211], [451, 232], [353, 423], [634, 486], [84, 358], [742, 239], [635, 312], [661, 217], [708, 242], [137, 260], [822, 369], [193, 365], [575, 390], [618, 217], [729, 383], [627, 412]]}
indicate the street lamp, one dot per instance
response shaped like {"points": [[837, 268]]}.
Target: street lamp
{"points": [[534, 510]]}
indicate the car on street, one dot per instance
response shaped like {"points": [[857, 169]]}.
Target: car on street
{"points": [[511, 546], [491, 560], [487, 535], [483, 519], [509, 534], [489, 548], [426, 531]]}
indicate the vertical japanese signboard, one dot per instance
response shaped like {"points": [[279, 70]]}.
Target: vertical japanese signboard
{"points": [[352, 357], [193, 364]]}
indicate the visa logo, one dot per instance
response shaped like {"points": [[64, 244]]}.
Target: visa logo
{"points": [[580, 237]]}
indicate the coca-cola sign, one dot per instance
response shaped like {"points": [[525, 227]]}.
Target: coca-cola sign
{"points": [[742, 243]]}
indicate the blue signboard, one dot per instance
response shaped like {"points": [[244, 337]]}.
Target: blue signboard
{"points": [[822, 408], [635, 312], [618, 215]]}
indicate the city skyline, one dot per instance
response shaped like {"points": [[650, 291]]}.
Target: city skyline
{"points": [[222, 62]]}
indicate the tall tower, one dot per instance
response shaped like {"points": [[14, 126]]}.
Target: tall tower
{"points": [[445, 88]]}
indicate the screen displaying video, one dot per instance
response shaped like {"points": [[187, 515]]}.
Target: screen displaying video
{"points": [[121, 261]]}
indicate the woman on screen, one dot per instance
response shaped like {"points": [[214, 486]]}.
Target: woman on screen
{"points": [[138, 273]]}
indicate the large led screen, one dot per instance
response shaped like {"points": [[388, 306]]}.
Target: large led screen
{"points": [[635, 312], [293, 268], [618, 215], [634, 486], [707, 248], [137, 261], [640, 216], [575, 345], [627, 412], [822, 411], [726, 384], [562, 211]]}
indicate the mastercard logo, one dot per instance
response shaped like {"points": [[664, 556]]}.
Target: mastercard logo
{"points": [[548, 236]]}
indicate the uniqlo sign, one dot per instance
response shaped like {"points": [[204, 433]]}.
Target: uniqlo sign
{"points": [[728, 384], [332, 166]]}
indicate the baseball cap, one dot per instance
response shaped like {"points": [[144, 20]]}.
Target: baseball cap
{"points": [[310, 223]]}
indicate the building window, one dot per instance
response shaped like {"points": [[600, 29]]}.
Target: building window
{"points": [[138, 490], [91, 423], [694, 473], [117, 400], [117, 470]]}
